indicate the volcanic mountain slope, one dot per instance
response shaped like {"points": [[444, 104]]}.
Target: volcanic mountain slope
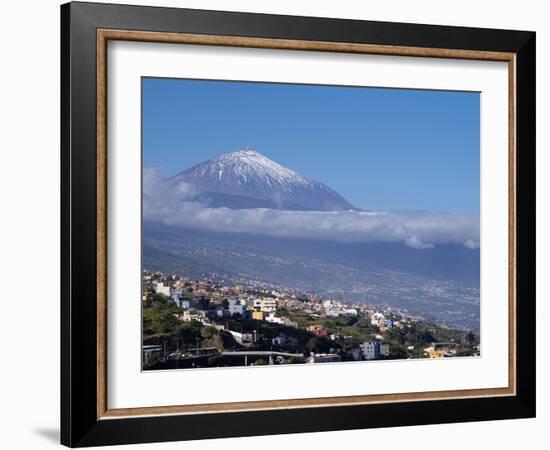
{"points": [[248, 179], [440, 283]]}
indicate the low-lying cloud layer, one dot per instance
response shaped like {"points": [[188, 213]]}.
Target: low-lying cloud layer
{"points": [[416, 229]]}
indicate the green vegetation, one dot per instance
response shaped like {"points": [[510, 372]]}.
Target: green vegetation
{"points": [[160, 317], [173, 342]]}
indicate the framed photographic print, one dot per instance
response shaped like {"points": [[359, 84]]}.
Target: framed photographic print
{"points": [[288, 224]]}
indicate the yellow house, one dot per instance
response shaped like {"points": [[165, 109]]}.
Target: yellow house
{"points": [[258, 315], [436, 353]]}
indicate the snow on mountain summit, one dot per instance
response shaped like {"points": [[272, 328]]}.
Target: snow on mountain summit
{"points": [[246, 178], [248, 164]]}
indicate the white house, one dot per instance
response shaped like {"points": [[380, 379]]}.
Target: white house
{"points": [[237, 306], [268, 304], [188, 316], [161, 288], [371, 350], [271, 318], [377, 319], [187, 303]]}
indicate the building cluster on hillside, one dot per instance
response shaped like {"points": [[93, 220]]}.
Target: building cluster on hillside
{"points": [[210, 303]]}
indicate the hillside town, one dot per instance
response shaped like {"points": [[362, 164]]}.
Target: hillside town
{"points": [[190, 323]]}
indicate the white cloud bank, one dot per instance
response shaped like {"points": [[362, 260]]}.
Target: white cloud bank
{"points": [[415, 229]]}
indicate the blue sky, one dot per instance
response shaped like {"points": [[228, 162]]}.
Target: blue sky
{"points": [[382, 149]]}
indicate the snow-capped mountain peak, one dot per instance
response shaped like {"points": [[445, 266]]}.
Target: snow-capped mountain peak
{"points": [[246, 178], [248, 164]]}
